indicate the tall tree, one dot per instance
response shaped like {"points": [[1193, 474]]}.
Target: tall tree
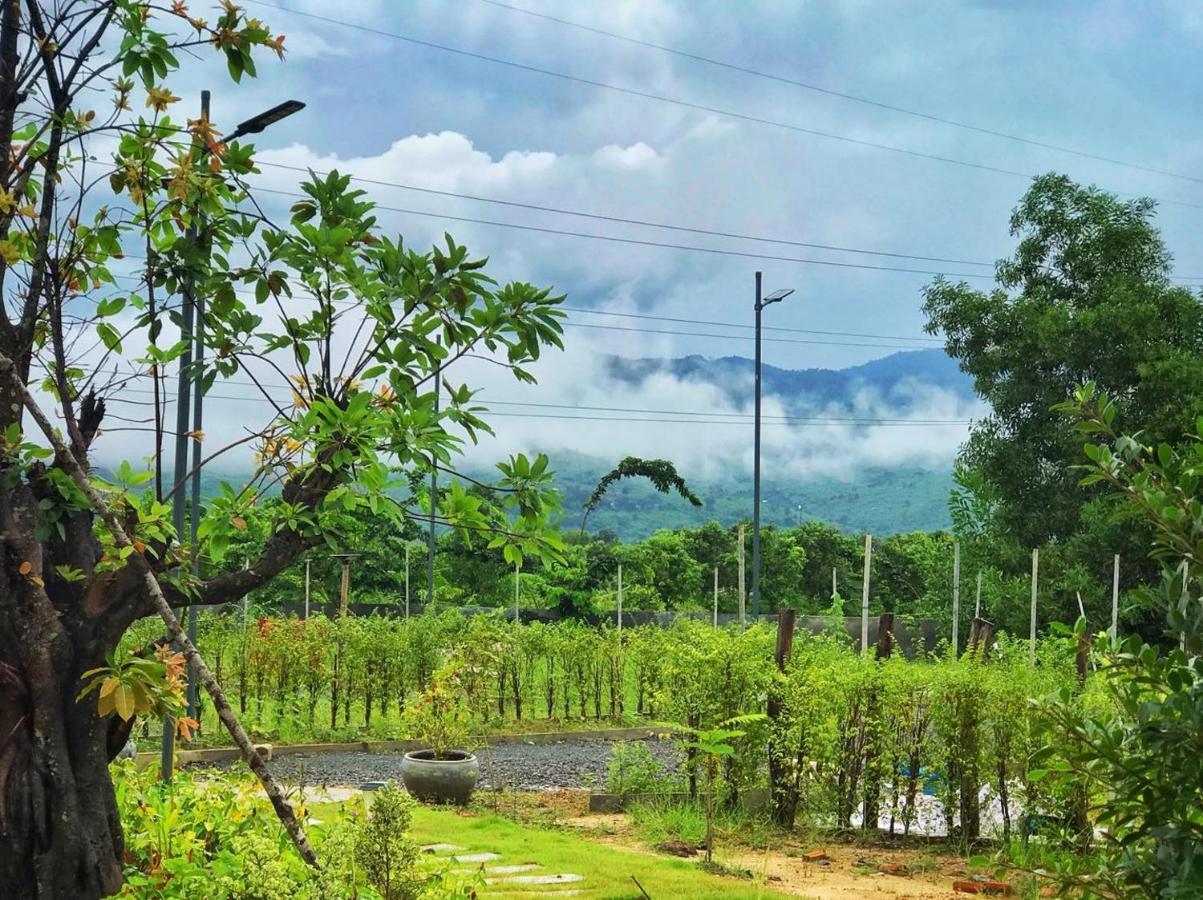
{"points": [[1086, 296], [353, 321]]}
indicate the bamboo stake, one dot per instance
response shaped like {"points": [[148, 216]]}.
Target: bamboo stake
{"points": [[224, 711]]}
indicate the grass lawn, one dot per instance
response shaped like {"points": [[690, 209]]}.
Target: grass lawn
{"points": [[607, 870]]}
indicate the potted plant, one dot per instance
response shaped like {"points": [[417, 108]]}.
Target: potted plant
{"points": [[443, 771]]}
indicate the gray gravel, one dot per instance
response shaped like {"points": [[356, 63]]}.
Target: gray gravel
{"points": [[571, 763]]}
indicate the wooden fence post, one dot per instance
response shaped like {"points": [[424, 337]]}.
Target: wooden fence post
{"points": [[864, 599], [782, 793], [885, 635], [1032, 629]]}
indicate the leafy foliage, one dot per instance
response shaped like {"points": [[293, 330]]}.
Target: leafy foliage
{"points": [[1140, 755]]}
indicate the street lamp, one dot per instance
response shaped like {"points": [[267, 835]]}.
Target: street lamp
{"points": [[189, 420], [761, 303], [256, 124]]}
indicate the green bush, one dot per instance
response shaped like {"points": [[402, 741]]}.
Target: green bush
{"points": [[215, 837]]}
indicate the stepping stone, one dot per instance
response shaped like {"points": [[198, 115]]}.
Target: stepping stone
{"points": [[535, 879], [502, 870], [475, 857], [440, 848]]}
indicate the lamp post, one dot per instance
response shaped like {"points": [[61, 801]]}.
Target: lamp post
{"points": [[761, 303], [188, 410]]}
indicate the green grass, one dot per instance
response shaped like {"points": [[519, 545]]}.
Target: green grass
{"points": [[607, 870]]}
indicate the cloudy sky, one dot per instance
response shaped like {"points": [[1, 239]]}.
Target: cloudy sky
{"points": [[1107, 79]]}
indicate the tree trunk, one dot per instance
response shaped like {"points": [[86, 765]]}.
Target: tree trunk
{"points": [[59, 828]]}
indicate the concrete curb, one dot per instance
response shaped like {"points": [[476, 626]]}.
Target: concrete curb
{"points": [[221, 754]]}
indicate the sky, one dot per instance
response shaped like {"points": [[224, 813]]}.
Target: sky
{"points": [[1104, 78]]}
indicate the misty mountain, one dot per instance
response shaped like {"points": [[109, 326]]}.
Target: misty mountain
{"points": [[879, 500], [894, 377]]}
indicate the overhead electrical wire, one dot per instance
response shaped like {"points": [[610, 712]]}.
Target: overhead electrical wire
{"points": [[661, 98], [817, 419], [702, 334], [843, 95], [646, 243], [627, 315], [682, 418], [643, 223]]}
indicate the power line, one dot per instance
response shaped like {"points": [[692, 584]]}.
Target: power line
{"points": [[676, 101], [625, 315], [701, 334], [809, 86], [820, 419], [600, 217], [740, 337], [679, 419], [646, 243]]}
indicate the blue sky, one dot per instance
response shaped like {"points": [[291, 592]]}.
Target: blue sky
{"points": [[1110, 79]]}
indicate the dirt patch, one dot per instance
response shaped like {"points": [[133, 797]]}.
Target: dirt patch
{"points": [[852, 872], [838, 872]]}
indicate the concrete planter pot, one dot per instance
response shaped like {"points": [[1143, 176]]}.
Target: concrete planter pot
{"points": [[431, 780]]}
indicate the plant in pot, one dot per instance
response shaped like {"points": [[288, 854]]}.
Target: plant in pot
{"points": [[443, 771]]}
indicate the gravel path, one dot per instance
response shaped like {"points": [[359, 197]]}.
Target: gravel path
{"points": [[571, 763]]}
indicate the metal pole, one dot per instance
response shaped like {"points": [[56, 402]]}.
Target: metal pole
{"points": [[834, 586], [864, 598], [517, 573], [306, 588], [434, 482], [977, 603], [407, 579], [956, 597], [1032, 630], [183, 424], [716, 596], [756, 472], [740, 554], [197, 432], [1115, 598], [620, 598]]}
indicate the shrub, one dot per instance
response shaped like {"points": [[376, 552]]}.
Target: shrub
{"points": [[384, 850], [633, 769]]}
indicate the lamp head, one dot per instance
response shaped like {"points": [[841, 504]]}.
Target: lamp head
{"points": [[776, 297], [256, 124]]}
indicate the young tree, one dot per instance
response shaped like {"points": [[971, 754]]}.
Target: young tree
{"points": [[351, 324]]}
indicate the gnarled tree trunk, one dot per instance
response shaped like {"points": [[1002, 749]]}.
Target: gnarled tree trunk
{"points": [[59, 831]]}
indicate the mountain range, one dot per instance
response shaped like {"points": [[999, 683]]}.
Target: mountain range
{"points": [[879, 499]]}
